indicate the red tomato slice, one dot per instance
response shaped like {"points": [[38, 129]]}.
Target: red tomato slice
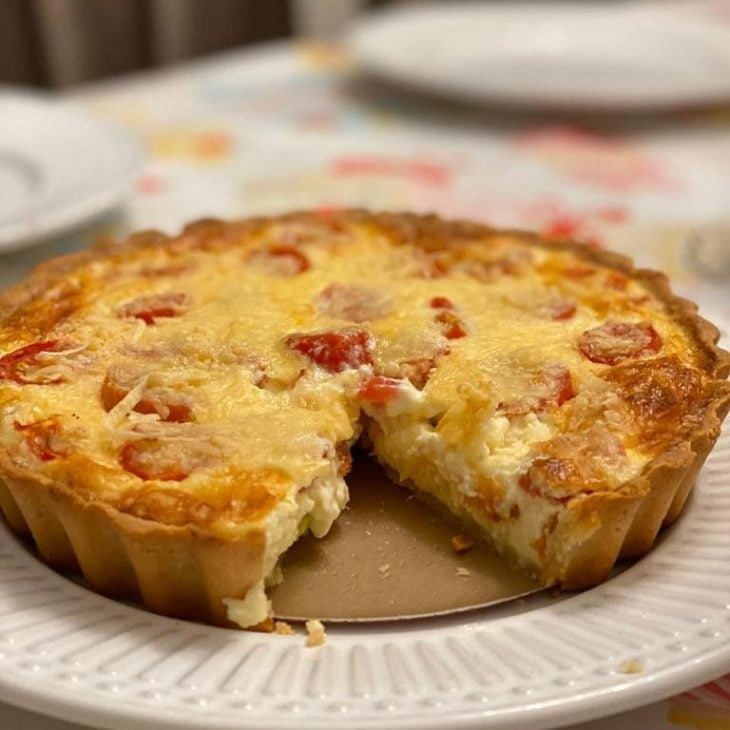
{"points": [[560, 310], [560, 383], [159, 306], [42, 438], [168, 411], [155, 400], [112, 391], [149, 459], [15, 365], [336, 350], [282, 260], [578, 272], [616, 281], [451, 325], [434, 268], [380, 390], [441, 303], [552, 387], [352, 302], [615, 341]]}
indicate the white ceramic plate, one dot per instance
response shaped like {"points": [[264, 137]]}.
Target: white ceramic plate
{"points": [[58, 167], [589, 55], [67, 652]]}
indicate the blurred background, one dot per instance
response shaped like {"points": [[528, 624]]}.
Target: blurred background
{"points": [[606, 121], [58, 43], [596, 114]]}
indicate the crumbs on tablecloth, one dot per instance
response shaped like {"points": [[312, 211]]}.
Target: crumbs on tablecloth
{"points": [[461, 543], [631, 666], [316, 635], [463, 572]]}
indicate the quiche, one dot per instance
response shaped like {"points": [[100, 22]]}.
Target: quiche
{"points": [[176, 412]]}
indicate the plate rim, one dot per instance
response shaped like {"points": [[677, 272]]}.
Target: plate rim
{"points": [[363, 38], [612, 693], [59, 216], [633, 696]]}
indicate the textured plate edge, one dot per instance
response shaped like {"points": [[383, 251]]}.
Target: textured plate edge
{"points": [[65, 215], [590, 706], [620, 693]]}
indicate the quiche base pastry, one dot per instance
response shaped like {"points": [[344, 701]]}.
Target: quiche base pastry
{"points": [[175, 412]]}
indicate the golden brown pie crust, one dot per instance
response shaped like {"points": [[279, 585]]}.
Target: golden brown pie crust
{"points": [[186, 571]]}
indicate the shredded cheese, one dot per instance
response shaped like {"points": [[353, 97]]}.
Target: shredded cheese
{"points": [[126, 405]]}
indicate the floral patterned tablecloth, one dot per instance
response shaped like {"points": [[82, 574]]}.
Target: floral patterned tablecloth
{"points": [[282, 127]]}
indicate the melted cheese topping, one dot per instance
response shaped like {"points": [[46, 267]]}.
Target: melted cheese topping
{"points": [[173, 391]]}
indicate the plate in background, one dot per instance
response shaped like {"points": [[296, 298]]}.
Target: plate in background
{"points": [[588, 56], [58, 167]]}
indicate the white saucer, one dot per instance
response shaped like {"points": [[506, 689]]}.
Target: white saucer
{"points": [[569, 55], [58, 167]]}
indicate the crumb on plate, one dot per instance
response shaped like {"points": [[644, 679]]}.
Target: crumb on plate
{"points": [[461, 543], [631, 666], [316, 635], [463, 572], [283, 628]]}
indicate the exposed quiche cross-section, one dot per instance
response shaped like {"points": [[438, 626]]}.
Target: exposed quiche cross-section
{"points": [[176, 412]]}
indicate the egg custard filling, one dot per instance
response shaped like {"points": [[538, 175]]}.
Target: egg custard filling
{"points": [[176, 412]]}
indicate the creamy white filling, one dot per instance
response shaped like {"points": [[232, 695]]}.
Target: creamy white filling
{"points": [[407, 401], [501, 453], [501, 463], [321, 504], [508, 443], [251, 610]]}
